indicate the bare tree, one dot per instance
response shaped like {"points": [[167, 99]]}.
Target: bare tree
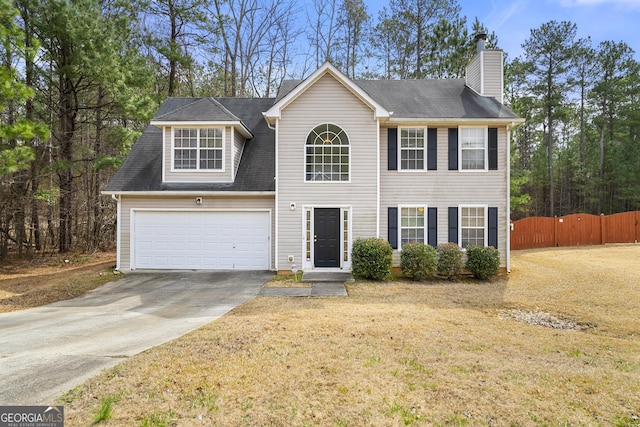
{"points": [[254, 36]]}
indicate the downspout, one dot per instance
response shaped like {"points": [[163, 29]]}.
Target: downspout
{"points": [[118, 230], [276, 199], [378, 213], [275, 240], [508, 213]]}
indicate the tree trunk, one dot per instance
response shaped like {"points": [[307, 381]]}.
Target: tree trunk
{"points": [[66, 119], [97, 206]]}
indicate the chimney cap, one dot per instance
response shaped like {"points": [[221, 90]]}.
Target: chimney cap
{"points": [[480, 36], [481, 41]]}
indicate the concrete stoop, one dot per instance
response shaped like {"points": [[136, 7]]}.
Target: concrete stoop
{"points": [[323, 284], [316, 276]]}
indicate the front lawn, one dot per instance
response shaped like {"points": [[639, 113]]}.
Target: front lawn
{"points": [[403, 353]]}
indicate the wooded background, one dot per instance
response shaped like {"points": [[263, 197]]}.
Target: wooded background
{"points": [[80, 80]]}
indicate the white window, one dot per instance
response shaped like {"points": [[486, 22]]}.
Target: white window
{"points": [[412, 148], [198, 148], [327, 154], [412, 224], [473, 148], [473, 223]]}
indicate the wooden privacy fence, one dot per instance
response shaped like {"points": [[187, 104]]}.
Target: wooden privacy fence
{"points": [[575, 230]]}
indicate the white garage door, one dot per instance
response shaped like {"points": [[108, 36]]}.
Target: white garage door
{"points": [[201, 240]]}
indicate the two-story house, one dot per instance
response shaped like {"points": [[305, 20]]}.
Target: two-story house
{"points": [[230, 183]]}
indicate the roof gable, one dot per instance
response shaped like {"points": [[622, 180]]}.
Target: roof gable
{"points": [[326, 69], [142, 169], [197, 111]]}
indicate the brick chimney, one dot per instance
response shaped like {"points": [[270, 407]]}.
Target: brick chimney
{"points": [[485, 72]]}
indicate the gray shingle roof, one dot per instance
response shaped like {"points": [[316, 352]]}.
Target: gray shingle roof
{"points": [[142, 169], [427, 98], [434, 99], [193, 109]]}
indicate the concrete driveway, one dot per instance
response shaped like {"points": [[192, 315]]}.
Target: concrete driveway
{"points": [[49, 350]]}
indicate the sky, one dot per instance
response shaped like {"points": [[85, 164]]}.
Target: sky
{"points": [[513, 20]]}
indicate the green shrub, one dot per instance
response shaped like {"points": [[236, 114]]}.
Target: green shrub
{"points": [[483, 262], [450, 261], [371, 258], [418, 261]]}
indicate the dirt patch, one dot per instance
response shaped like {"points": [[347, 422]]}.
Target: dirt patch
{"points": [[32, 283], [539, 318]]}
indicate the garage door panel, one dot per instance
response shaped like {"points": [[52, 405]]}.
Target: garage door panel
{"points": [[201, 240]]}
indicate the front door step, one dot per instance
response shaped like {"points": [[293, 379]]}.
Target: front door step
{"points": [[318, 276]]}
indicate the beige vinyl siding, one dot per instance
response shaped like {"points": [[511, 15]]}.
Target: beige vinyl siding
{"points": [[443, 188], [327, 101], [474, 73], [187, 202], [226, 175], [493, 76], [238, 146], [485, 75]]}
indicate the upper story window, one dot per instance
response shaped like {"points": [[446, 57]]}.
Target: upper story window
{"points": [[327, 154], [473, 148], [412, 148], [472, 226], [198, 148]]}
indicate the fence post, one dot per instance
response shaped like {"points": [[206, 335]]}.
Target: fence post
{"points": [[555, 230], [603, 239]]}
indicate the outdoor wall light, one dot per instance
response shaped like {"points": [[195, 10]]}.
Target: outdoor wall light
{"points": [[198, 200], [292, 206]]}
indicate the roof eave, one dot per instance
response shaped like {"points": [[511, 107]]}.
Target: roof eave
{"points": [[246, 132], [187, 193], [457, 120]]}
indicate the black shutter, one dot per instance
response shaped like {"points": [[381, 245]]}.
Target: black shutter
{"points": [[393, 227], [392, 148], [493, 149], [432, 226], [453, 149], [453, 225], [493, 227], [432, 149]]}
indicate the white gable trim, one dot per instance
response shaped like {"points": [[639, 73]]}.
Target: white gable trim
{"points": [[275, 112], [244, 131]]}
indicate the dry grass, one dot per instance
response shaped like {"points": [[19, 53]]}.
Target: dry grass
{"points": [[287, 281], [32, 283], [402, 354]]}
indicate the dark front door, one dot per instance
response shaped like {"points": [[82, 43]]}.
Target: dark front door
{"points": [[327, 237]]}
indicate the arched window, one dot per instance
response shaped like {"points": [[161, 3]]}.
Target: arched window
{"points": [[327, 154]]}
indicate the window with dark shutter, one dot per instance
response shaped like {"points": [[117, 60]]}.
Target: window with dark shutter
{"points": [[453, 225], [392, 149], [432, 149], [493, 227], [393, 227], [432, 224], [493, 149], [453, 149]]}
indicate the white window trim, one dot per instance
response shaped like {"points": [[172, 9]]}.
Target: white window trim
{"points": [[198, 170], [486, 222], [307, 263], [425, 226], [304, 158], [486, 149], [424, 149]]}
